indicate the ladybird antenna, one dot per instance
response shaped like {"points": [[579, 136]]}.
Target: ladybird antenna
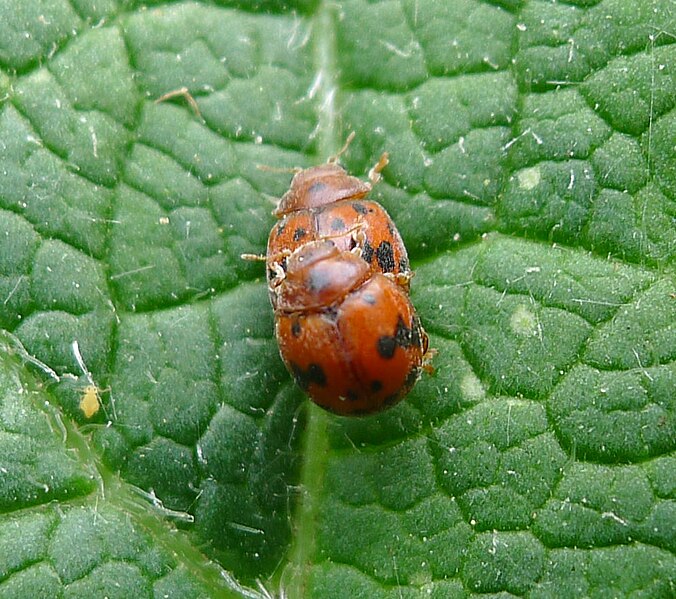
{"points": [[374, 173], [333, 159], [253, 257]]}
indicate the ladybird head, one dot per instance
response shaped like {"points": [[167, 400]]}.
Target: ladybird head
{"points": [[321, 185]]}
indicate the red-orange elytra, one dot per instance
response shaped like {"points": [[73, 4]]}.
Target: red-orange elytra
{"points": [[338, 276]]}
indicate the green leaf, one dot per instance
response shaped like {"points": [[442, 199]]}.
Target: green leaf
{"points": [[152, 443]]}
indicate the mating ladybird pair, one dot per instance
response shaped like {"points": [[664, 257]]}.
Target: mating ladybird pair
{"points": [[338, 276]]}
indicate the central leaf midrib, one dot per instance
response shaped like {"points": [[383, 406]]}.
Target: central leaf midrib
{"points": [[314, 444]]}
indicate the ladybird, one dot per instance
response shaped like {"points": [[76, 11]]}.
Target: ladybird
{"points": [[350, 338], [338, 278], [324, 202]]}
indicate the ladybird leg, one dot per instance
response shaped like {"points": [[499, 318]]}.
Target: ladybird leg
{"points": [[403, 279], [280, 275], [374, 173], [356, 228], [359, 239], [427, 360], [428, 353], [182, 92], [274, 264], [342, 150]]}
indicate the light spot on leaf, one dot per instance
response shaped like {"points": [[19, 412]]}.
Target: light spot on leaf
{"points": [[472, 389], [529, 178], [523, 322]]}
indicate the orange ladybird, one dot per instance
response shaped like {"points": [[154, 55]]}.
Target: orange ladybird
{"points": [[350, 338], [338, 276], [324, 202]]}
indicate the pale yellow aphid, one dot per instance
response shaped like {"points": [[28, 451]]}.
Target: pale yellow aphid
{"points": [[90, 401]]}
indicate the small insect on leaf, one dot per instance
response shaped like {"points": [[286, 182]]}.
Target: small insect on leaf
{"points": [[90, 401], [338, 279]]}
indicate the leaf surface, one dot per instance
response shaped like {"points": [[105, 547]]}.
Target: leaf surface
{"points": [[152, 443]]}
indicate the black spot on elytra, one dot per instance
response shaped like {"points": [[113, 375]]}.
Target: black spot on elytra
{"points": [[359, 208], [317, 187], [376, 386], [367, 252], [295, 327], [337, 224], [352, 395], [271, 274], [299, 233], [280, 227], [386, 346], [313, 375], [385, 256], [403, 337], [282, 263]]}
